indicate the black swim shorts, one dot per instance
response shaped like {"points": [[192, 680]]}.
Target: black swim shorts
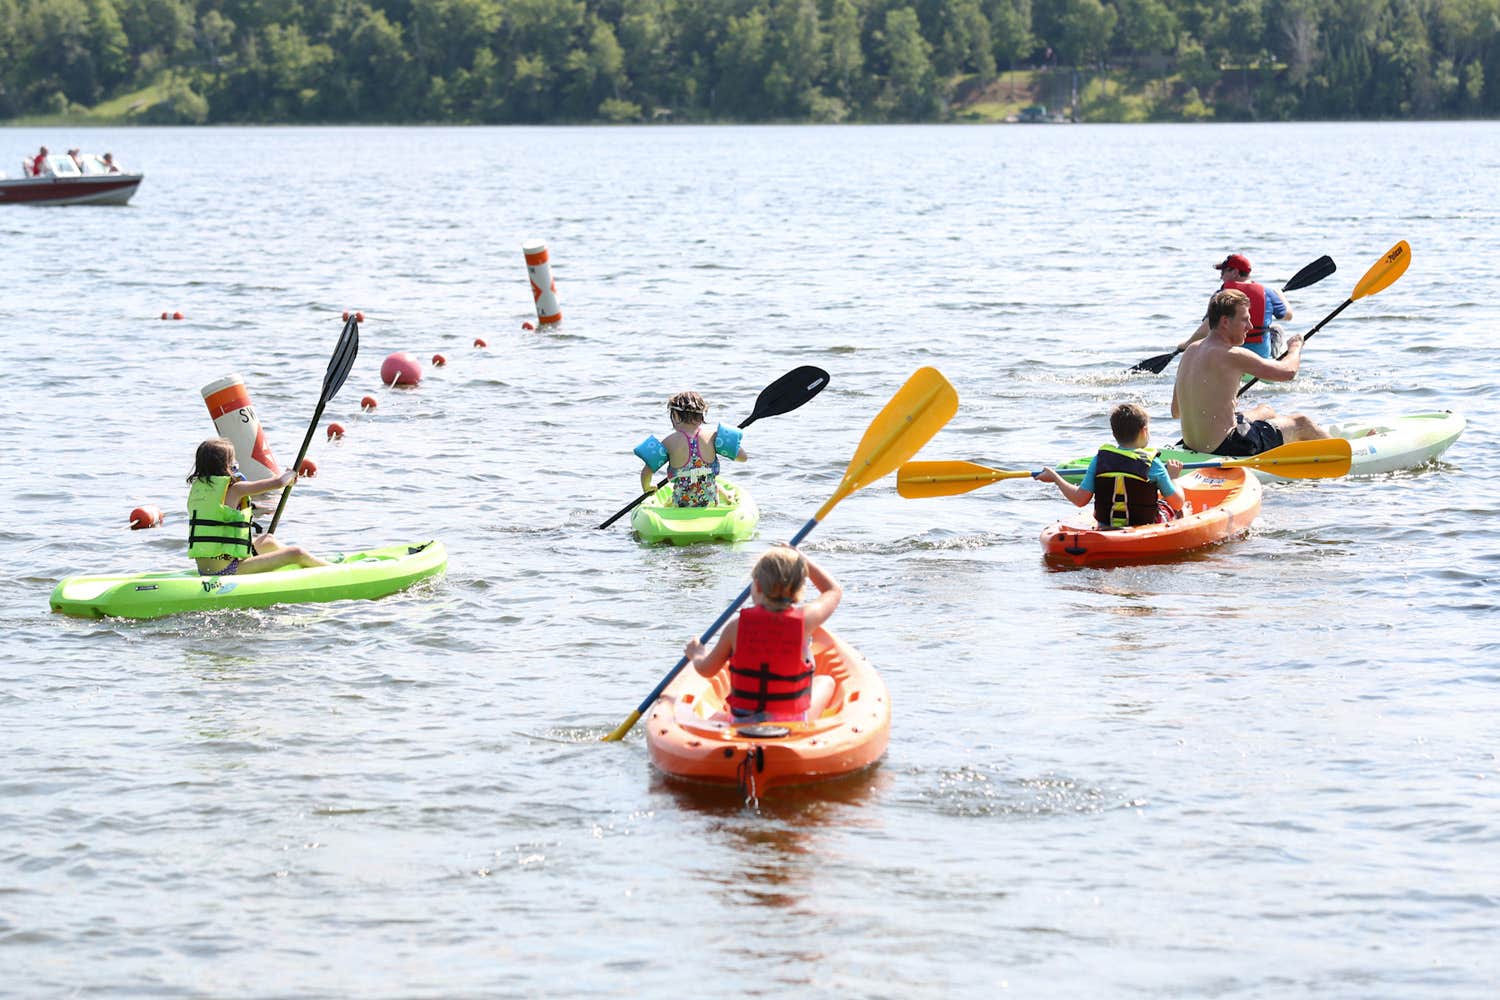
{"points": [[1249, 437]]}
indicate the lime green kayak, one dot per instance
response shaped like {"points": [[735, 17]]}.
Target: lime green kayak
{"points": [[1390, 444], [358, 575], [732, 519]]}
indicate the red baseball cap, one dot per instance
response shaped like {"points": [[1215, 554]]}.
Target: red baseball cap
{"points": [[1236, 261]]}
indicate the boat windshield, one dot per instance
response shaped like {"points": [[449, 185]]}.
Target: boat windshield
{"points": [[63, 166]]}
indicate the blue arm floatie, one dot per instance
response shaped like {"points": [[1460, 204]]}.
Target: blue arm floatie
{"points": [[727, 441], [652, 452]]}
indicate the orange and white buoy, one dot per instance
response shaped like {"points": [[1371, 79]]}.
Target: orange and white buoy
{"points": [[543, 289], [234, 417], [145, 516]]}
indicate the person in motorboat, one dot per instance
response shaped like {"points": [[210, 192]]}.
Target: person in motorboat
{"points": [[766, 645], [110, 166], [1265, 338], [1208, 382], [73, 154], [39, 163], [1142, 489], [694, 478], [219, 529]]}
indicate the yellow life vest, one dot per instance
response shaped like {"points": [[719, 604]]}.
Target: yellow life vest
{"points": [[214, 529]]}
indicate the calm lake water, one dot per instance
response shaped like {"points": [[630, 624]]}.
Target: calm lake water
{"points": [[1269, 770]]}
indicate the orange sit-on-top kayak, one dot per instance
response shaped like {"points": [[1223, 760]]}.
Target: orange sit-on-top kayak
{"points": [[691, 736], [1224, 503]]}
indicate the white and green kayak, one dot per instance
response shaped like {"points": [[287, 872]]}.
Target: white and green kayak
{"points": [[732, 519], [1389, 444], [357, 575]]}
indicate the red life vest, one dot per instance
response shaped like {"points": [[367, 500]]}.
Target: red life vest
{"points": [[767, 675], [1259, 327]]}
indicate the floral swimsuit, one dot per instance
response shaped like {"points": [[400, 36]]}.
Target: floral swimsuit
{"points": [[696, 483]]}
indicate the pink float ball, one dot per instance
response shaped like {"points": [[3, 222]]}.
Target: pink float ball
{"points": [[401, 369]]}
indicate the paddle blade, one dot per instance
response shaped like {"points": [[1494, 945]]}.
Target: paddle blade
{"points": [[917, 411], [788, 392], [1311, 274], [1325, 458], [916, 480], [1385, 272], [1155, 365], [342, 361]]}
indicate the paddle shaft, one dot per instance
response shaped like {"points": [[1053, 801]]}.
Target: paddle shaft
{"points": [[1305, 338], [647, 495], [297, 466], [718, 623]]}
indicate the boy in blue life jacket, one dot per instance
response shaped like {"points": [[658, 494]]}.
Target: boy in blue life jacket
{"points": [[690, 453], [1139, 488]]}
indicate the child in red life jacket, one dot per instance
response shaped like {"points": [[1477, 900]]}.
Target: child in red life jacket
{"points": [[219, 529], [766, 646], [1139, 488], [690, 453]]}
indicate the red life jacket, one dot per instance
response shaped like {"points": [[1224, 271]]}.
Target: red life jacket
{"points": [[1259, 326], [767, 675]]}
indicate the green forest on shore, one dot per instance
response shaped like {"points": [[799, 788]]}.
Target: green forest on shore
{"points": [[581, 61]]}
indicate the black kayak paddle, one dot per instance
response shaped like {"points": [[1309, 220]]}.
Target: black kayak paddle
{"points": [[344, 353]]}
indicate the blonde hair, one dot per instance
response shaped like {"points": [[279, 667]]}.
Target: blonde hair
{"points": [[212, 459], [780, 574], [686, 405]]}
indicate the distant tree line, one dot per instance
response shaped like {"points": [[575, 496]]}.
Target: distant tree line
{"points": [[491, 61]]}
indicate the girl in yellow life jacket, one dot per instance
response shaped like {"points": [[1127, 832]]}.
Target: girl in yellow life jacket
{"points": [[219, 532], [1138, 487], [766, 646]]}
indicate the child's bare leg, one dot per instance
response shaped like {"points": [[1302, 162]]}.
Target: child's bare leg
{"points": [[285, 555], [822, 694]]}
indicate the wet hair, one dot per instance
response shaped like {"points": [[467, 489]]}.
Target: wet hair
{"points": [[1127, 421], [212, 459], [780, 574], [1225, 303], [686, 406]]}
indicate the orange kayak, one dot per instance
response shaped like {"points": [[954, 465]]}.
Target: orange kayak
{"points": [[691, 736], [1224, 503]]}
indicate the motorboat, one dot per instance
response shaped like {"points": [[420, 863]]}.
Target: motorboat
{"points": [[64, 182]]}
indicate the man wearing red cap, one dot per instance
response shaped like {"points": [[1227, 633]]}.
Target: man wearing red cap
{"points": [[1266, 304], [1208, 382]]}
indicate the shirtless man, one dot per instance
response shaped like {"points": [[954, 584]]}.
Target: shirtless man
{"points": [[1208, 379]]}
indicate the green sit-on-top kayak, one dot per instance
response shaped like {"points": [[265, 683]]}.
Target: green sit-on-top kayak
{"points": [[1390, 444], [732, 519], [366, 575]]}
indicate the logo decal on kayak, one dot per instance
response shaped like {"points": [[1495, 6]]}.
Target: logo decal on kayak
{"points": [[141, 587]]}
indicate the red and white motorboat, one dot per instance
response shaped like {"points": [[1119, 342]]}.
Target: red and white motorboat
{"points": [[63, 183]]}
